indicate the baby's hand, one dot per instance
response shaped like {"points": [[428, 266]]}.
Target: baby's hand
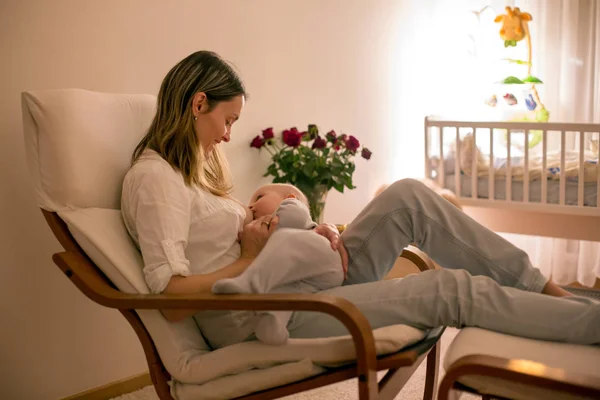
{"points": [[331, 232]]}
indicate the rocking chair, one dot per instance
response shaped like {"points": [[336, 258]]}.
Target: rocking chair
{"points": [[79, 145]]}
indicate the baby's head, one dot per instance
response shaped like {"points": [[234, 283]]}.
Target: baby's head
{"points": [[267, 198]]}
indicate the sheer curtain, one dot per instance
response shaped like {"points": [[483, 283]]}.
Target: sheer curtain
{"points": [[443, 68], [566, 42]]}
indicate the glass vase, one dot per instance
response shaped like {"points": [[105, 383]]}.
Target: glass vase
{"points": [[316, 196]]}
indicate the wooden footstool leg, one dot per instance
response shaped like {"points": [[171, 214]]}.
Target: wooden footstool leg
{"points": [[431, 376]]}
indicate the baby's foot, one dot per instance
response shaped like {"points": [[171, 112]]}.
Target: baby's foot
{"points": [[229, 286], [270, 330]]}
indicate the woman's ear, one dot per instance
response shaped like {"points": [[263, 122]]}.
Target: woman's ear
{"points": [[199, 103]]}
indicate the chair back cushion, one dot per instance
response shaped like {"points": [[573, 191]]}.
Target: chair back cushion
{"points": [[79, 144]]}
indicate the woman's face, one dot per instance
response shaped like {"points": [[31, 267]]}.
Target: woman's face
{"points": [[214, 126]]}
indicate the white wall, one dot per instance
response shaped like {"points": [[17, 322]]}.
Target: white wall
{"points": [[334, 63]]}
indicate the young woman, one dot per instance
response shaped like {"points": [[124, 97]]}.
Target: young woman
{"points": [[177, 207]]}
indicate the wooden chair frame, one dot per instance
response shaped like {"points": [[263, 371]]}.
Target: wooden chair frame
{"points": [[93, 283], [555, 379]]}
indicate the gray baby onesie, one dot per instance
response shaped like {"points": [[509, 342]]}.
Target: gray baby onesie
{"points": [[294, 260]]}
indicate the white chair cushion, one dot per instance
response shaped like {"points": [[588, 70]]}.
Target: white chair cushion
{"points": [[574, 358], [232, 386], [102, 235], [79, 144]]}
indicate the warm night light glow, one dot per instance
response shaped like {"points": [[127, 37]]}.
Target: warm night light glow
{"points": [[530, 367]]}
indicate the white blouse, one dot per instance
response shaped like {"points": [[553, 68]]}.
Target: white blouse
{"points": [[180, 230]]}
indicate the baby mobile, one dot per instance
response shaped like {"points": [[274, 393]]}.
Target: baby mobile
{"points": [[514, 29]]}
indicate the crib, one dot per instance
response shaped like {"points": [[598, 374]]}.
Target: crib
{"points": [[520, 177]]}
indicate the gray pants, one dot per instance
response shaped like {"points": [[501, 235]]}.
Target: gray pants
{"points": [[487, 282]]}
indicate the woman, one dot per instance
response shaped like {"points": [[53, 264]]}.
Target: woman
{"points": [[177, 208]]}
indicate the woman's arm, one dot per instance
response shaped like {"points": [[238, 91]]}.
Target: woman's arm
{"points": [[253, 238], [200, 284]]}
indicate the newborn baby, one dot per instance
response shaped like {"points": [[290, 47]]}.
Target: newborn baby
{"points": [[294, 260]]}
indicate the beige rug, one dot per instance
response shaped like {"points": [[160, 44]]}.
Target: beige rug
{"points": [[346, 390]]}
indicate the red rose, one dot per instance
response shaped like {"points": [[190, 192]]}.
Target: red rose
{"points": [[343, 137], [292, 137], [319, 143], [366, 153], [331, 136], [257, 142], [268, 133], [352, 144]]}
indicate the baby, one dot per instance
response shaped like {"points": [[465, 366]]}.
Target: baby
{"points": [[294, 260]]}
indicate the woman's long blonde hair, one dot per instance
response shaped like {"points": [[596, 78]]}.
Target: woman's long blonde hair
{"points": [[172, 134]]}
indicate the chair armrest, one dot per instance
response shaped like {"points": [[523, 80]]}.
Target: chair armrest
{"points": [[85, 276], [521, 372], [417, 257]]}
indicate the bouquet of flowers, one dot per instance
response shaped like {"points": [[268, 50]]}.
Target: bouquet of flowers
{"points": [[312, 162]]}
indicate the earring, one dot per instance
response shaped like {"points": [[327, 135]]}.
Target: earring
{"points": [[195, 118]]}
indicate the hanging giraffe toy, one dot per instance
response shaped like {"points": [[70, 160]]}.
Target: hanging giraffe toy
{"points": [[514, 25]]}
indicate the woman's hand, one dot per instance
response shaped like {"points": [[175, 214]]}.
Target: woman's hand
{"points": [[332, 234], [254, 236]]}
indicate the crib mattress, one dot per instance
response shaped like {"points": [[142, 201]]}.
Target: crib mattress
{"points": [[590, 192]]}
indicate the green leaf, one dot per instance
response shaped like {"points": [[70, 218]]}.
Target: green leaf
{"points": [[313, 131], [307, 170], [272, 169], [520, 62], [511, 43], [339, 187], [346, 180], [511, 80], [532, 79]]}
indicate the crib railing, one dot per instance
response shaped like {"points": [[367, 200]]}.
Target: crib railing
{"points": [[437, 170]]}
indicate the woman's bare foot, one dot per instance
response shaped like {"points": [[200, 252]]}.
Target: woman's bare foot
{"points": [[553, 289]]}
